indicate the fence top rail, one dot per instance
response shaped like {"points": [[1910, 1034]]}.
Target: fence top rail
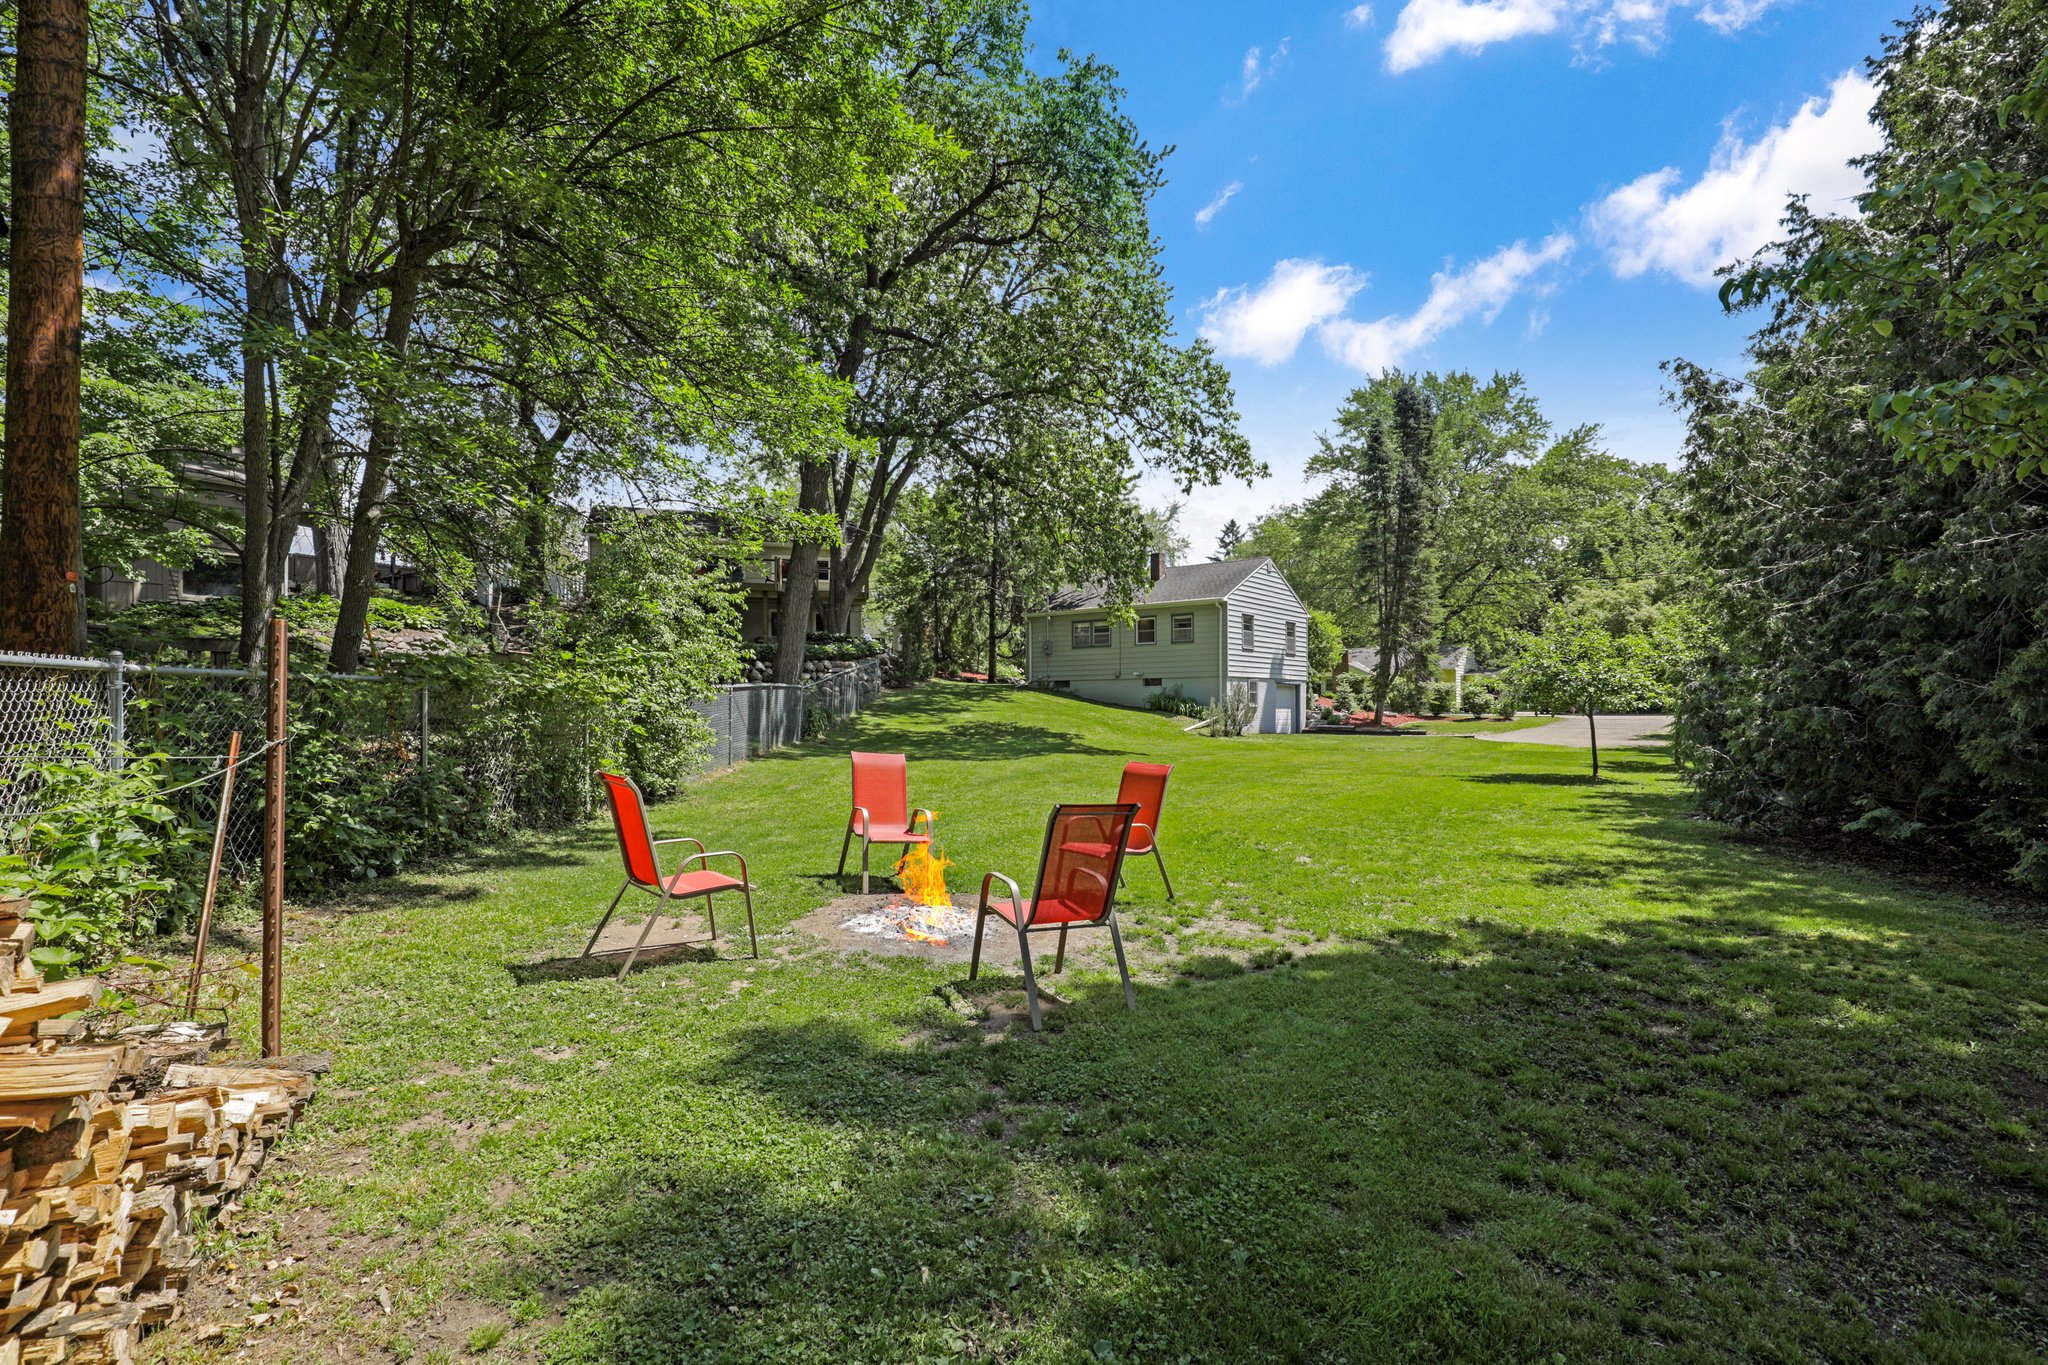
{"points": [[78, 664]]}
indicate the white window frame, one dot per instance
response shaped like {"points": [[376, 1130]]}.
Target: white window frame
{"points": [[1290, 639], [1183, 628], [1097, 635], [1247, 633], [1146, 632]]}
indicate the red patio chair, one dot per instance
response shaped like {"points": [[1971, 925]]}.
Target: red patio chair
{"points": [[1145, 783], [881, 809], [643, 870], [1077, 880]]}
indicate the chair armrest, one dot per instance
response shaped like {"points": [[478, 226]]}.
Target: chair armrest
{"points": [[862, 812], [719, 853], [929, 817], [681, 839], [1016, 896], [1132, 837]]}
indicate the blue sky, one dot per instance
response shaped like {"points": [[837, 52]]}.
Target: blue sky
{"points": [[1534, 185]]}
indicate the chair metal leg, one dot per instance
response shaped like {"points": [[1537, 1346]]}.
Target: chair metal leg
{"points": [[974, 958], [1030, 981], [865, 845], [607, 917], [753, 939], [711, 913], [645, 930], [1059, 957], [844, 844], [1117, 941], [1161, 858]]}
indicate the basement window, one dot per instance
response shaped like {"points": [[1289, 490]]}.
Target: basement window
{"points": [[1060, 685], [1155, 682]]}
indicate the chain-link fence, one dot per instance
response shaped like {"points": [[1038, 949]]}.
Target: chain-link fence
{"points": [[379, 764]]}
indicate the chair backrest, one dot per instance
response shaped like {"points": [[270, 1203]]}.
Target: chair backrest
{"points": [[1145, 783], [881, 782], [629, 818], [1084, 851]]}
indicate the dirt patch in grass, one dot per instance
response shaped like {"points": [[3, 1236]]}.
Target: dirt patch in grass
{"points": [[827, 926]]}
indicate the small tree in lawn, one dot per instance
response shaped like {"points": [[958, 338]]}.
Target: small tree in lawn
{"points": [[1575, 667]]}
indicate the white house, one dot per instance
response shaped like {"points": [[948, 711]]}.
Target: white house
{"points": [[1200, 627]]}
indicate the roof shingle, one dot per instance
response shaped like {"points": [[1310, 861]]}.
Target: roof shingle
{"points": [[1177, 583]]}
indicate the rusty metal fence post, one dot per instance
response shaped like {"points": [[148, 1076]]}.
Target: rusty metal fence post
{"points": [[275, 721]]}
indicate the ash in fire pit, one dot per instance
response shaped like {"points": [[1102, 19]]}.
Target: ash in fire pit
{"points": [[936, 925]]}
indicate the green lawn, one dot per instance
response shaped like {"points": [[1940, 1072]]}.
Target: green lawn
{"points": [[1522, 1068]]}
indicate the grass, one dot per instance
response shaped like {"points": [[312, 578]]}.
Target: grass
{"points": [[1446, 1052]]}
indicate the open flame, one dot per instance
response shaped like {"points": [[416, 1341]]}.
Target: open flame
{"points": [[924, 876]]}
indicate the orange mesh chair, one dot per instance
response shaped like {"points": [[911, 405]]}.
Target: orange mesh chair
{"points": [[643, 870], [1077, 880], [1145, 783], [881, 809]]}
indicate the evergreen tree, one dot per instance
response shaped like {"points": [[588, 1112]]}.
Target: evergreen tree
{"points": [[1229, 539], [1400, 501]]}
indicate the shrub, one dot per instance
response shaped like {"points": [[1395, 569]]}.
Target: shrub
{"points": [[103, 860], [1406, 695], [1437, 699], [1234, 714], [1478, 698], [1174, 701]]}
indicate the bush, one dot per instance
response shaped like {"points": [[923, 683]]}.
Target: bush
{"points": [[103, 861], [830, 648], [1437, 699], [1477, 698], [1234, 714], [1174, 701], [1345, 693], [1504, 703], [1406, 695]]}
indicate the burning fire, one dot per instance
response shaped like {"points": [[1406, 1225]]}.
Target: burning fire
{"points": [[924, 876]]}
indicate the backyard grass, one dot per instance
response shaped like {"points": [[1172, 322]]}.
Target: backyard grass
{"points": [[1446, 1052]]}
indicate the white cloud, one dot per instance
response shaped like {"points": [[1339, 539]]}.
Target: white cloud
{"points": [[1429, 29], [1215, 206], [1733, 209], [1257, 67], [1267, 324], [1358, 16], [1480, 290]]}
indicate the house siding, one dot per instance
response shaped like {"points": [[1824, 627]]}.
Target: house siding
{"points": [[1272, 604], [1117, 673]]}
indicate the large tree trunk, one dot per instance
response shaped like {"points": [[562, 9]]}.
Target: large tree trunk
{"points": [[380, 452], [800, 589], [1593, 738], [39, 534]]}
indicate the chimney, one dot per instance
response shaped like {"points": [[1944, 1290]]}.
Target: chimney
{"points": [[1158, 565]]}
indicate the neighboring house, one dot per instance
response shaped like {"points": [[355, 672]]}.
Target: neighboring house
{"points": [[1200, 627], [218, 487], [1452, 666], [761, 619]]}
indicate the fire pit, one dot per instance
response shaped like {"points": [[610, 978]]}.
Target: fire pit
{"points": [[922, 919]]}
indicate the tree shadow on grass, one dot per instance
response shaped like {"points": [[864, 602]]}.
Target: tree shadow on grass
{"points": [[1704, 1134]]}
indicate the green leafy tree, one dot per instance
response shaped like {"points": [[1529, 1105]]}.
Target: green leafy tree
{"points": [[1876, 663], [1576, 667], [1010, 287], [1325, 644]]}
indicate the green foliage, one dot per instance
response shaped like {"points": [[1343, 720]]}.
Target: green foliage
{"points": [[1436, 699], [1174, 701], [826, 646], [1529, 515], [1575, 667], [1881, 668], [1325, 644], [103, 861], [1478, 697]]}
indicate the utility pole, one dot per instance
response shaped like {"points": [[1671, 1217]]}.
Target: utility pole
{"points": [[39, 592]]}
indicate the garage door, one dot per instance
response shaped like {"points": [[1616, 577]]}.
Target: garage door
{"points": [[1277, 713]]}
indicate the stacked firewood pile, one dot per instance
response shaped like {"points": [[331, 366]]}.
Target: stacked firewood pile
{"points": [[112, 1149]]}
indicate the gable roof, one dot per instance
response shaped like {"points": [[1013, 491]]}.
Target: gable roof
{"points": [[1177, 583]]}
